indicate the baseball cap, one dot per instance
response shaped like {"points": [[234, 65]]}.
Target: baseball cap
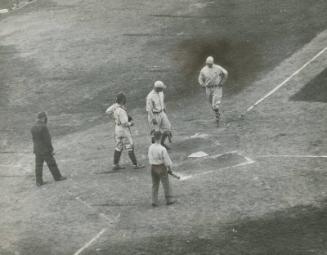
{"points": [[157, 135], [209, 60], [41, 115], [159, 84], [120, 97]]}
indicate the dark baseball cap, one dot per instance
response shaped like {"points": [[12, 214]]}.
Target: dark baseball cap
{"points": [[120, 98], [157, 135], [41, 115]]}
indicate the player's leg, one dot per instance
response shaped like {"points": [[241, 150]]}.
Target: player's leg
{"points": [[53, 167], [166, 187], [152, 126], [39, 169], [117, 153], [129, 145], [216, 101], [165, 126], [209, 94], [155, 185]]}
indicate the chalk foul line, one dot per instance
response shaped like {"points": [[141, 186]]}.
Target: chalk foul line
{"points": [[89, 243], [287, 80], [291, 156]]}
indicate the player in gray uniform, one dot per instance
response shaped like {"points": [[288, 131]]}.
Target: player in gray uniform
{"points": [[123, 135], [212, 77], [156, 109]]}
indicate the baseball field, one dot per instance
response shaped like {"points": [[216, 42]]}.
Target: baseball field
{"points": [[261, 190]]}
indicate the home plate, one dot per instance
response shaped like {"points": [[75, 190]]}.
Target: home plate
{"points": [[199, 135], [4, 11], [199, 154]]}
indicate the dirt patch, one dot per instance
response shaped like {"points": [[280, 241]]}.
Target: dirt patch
{"points": [[193, 144], [314, 91]]}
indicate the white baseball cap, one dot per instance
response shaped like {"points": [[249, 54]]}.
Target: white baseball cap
{"points": [[209, 60], [159, 84]]}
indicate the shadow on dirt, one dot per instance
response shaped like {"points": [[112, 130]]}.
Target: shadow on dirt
{"points": [[314, 91], [298, 230], [192, 53]]}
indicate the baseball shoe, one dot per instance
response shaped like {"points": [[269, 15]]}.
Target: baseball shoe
{"points": [[171, 202], [39, 184], [138, 166], [61, 178], [154, 205], [117, 167]]}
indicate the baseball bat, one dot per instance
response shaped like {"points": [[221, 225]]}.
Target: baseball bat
{"points": [[174, 175]]}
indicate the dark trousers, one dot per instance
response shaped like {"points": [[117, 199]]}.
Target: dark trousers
{"points": [[52, 165], [160, 173]]}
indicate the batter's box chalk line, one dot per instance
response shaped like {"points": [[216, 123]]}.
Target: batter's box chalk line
{"points": [[248, 161]]}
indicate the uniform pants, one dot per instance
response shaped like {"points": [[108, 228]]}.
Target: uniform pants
{"points": [[160, 173], [214, 95], [52, 165], [124, 140], [162, 120]]}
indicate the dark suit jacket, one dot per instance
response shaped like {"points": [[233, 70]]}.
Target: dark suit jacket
{"points": [[41, 139]]}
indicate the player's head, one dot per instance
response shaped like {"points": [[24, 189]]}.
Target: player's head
{"points": [[159, 86], [209, 61], [121, 98], [42, 116], [157, 136]]}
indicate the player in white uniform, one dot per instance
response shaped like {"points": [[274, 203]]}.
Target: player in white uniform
{"points": [[212, 77], [123, 135], [157, 117]]}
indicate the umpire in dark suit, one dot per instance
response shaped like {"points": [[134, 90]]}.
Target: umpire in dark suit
{"points": [[43, 150]]}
